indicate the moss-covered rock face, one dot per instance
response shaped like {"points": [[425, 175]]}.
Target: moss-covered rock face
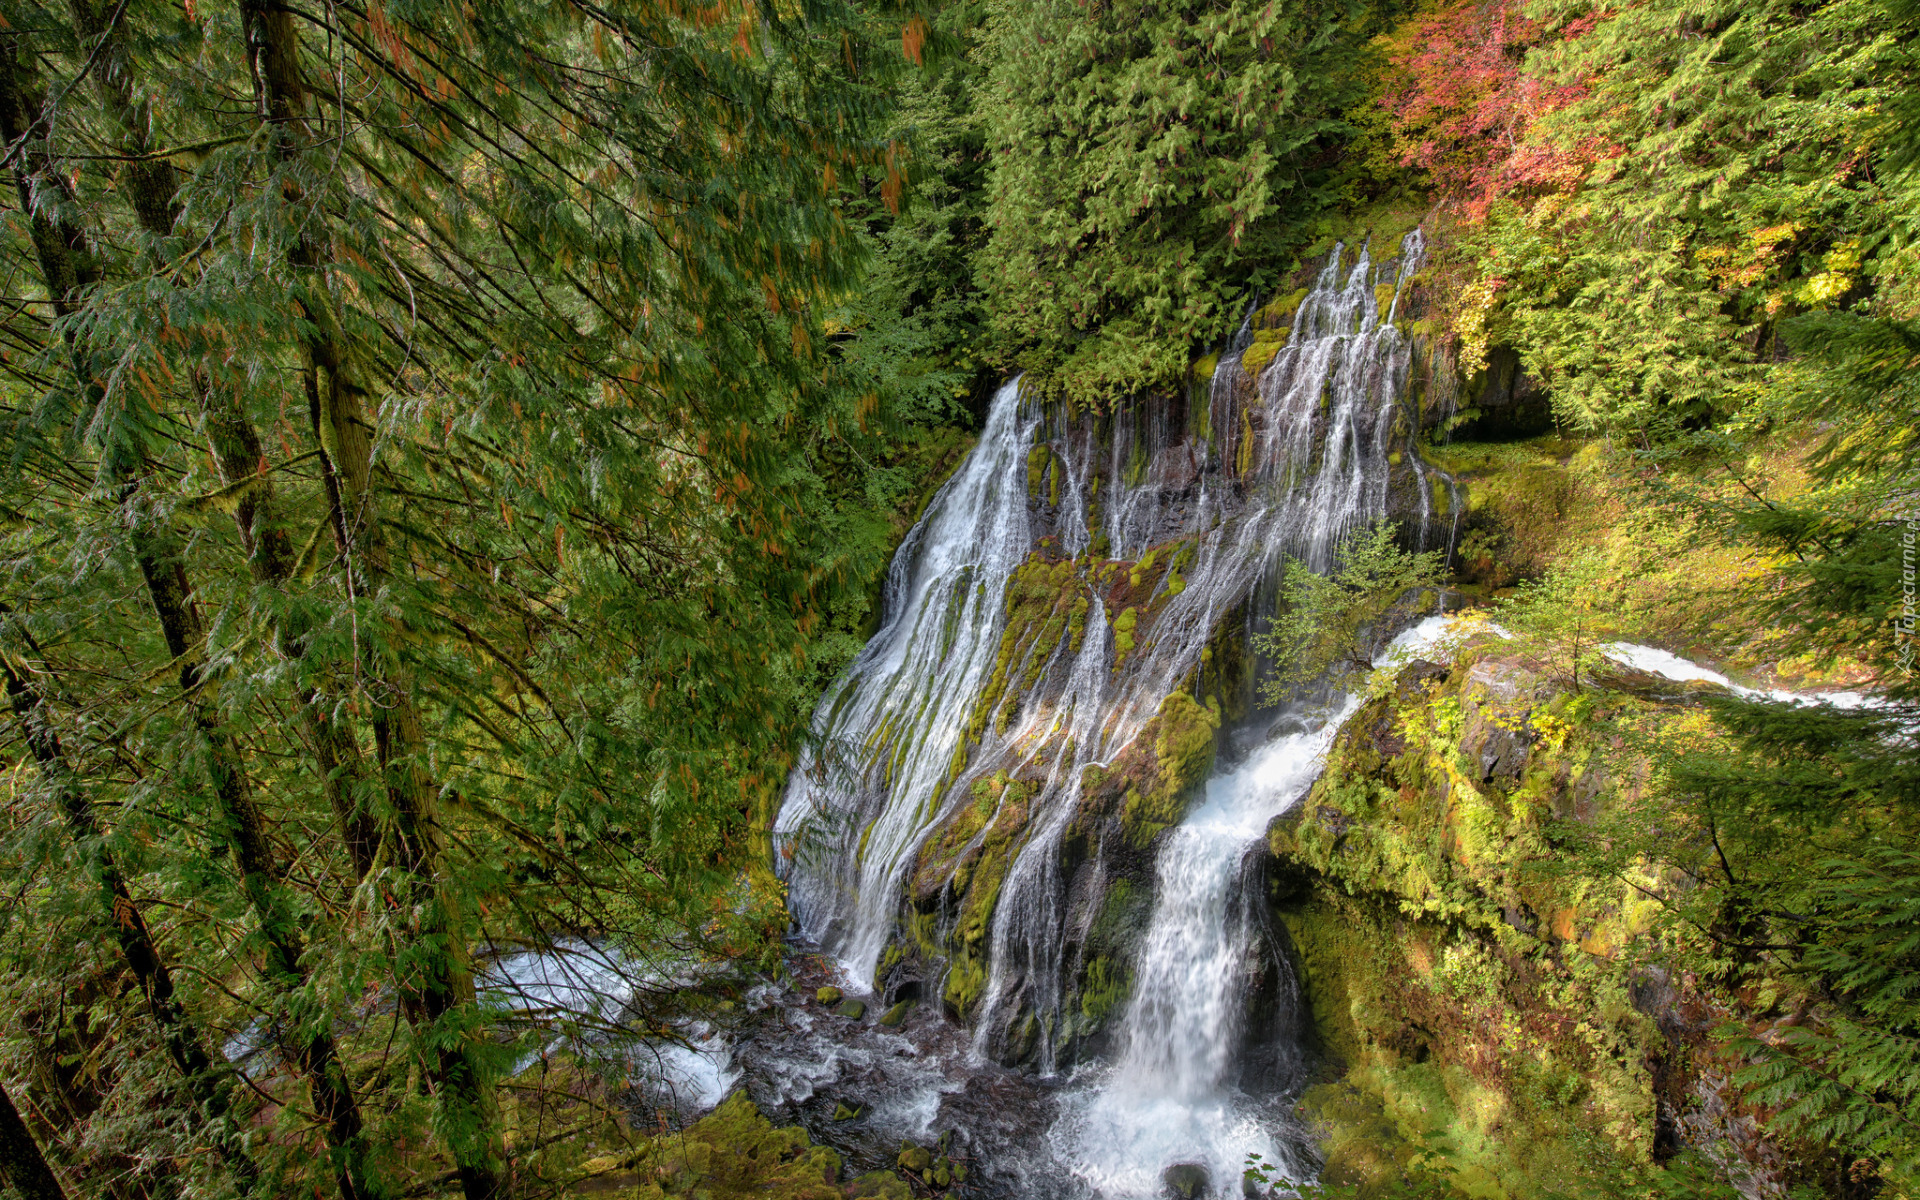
{"points": [[961, 868], [1524, 502], [1278, 314], [1266, 344], [1137, 474], [1183, 746], [1428, 949], [962, 864], [1468, 991]]}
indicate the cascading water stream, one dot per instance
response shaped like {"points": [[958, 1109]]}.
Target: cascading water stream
{"points": [[1287, 466], [888, 728], [1173, 1098]]}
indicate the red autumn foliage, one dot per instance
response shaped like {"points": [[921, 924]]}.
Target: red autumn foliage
{"points": [[1464, 106]]}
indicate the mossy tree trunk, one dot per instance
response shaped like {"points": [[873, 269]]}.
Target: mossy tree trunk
{"points": [[436, 983], [68, 265]]}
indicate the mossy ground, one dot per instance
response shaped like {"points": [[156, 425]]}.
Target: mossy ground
{"points": [[732, 1153], [1664, 576], [1526, 502]]}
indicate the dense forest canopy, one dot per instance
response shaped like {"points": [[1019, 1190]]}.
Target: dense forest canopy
{"points": [[449, 447]]}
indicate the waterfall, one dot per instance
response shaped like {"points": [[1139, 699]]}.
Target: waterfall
{"points": [[887, 730], [1184, 1022], [1172, 1098], [1152, 526]]}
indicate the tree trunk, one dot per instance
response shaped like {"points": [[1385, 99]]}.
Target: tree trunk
{"points": [[438, 984], [231, 436], [306, 1034], [212, 1092], [20, 1158], [305, 1028], [236, 450]]}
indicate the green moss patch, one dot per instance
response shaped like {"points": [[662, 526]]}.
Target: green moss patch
{"points": [[1046, 601], [1525, 501], [1476, 994], [731, 1154], [980, 875], [1184, 733], [1266, 344], [1278, 314]]}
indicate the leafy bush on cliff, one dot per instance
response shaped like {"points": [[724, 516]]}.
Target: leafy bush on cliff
{"points": [[1324, 619]]}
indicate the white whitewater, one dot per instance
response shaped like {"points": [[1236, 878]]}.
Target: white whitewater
{"points": [[1682, 670], [1171, 1098], [579, 991]]}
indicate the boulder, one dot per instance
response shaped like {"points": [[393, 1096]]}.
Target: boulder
{"points": [[914, 1158], [1498, 746], [828, 996], [879, 1185], [854, 1009], [1504, 681], [1186, 1181], [898, 1013], [1498, 740]]}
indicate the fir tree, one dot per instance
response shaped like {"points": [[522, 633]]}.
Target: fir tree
{"points": [[408, 438], [1150, 163]]}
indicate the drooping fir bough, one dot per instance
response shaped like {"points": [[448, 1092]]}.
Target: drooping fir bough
{"points": [[407, 420]]}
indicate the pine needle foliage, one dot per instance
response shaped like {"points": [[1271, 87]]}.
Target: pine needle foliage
{"points": [[1710, 170], [410, 418], [1323, 627], [1798, 825], [1150, 162]]}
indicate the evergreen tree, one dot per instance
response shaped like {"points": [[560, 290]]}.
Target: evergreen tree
{"points": [[1326, 621], [408, 431], [1664, 185], [1800, 825], [1150, 163]]}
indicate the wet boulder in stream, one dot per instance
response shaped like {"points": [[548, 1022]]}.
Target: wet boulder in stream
{"points": [[1185, 1181]]}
